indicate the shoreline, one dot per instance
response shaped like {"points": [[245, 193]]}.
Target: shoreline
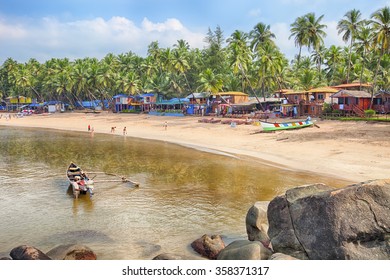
{"points": [[353, 151]]}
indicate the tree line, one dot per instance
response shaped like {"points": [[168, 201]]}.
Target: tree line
{"points": [[245, 61]]}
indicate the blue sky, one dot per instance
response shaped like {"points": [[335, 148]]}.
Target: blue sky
{"points": [[43, 29]]}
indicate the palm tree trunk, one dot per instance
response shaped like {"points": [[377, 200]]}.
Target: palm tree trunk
{"points": [[349, 60], [375, 78], [361, 72], [299, 54]]}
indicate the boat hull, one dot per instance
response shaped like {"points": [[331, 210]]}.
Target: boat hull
{"points": [[267, 126], [81, 186]]}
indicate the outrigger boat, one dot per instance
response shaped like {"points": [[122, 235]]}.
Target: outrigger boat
{"points": [[268, 126], [79, 181]]}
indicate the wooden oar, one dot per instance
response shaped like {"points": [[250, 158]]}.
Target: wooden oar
{"points": [[111, 174], [123, 180]]}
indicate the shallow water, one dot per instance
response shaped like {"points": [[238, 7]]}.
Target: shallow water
{"points": [[183, 194]]}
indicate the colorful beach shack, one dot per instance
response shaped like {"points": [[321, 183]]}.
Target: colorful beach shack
{"points": [[382, 102], [352, 102]]}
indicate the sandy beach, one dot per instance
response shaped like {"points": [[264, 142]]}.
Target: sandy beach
{"points": [[353, 151]]}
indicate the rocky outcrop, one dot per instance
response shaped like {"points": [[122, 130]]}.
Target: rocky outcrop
{"points": [[71, 252], [245, 250], [25, 252], [257, 223], [320, 222], [208, 246]]}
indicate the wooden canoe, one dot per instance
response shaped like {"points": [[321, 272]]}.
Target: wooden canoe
{"points": [[268, 126], [79, 180]]}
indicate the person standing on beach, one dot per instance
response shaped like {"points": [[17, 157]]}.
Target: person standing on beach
{"points": [[124, 131], [166, 125], [89, 127]]}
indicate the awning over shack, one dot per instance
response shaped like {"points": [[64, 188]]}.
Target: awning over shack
{"points": [[174, 101]]}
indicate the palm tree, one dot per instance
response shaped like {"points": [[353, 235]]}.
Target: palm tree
{"points": [[210, 82], [364, 43], [240, 55], [269, 66], [261, 35], [298, 30], [350, 26], [308, 79], [128, 83], [315, 33], [318, 57], [9, 68], [80, 77], [333, 59], [180, 61], [380, 21]]}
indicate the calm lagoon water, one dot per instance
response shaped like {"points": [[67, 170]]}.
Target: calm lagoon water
{"points": [[183, 194]]}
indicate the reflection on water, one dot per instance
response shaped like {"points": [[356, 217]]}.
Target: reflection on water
{"points": [[183, 193]]}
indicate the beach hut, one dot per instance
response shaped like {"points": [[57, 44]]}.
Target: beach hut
{"points": [[382, 102], [231, 97], [171, 107], [147, 99], [54, 106], [314, 104], [120, 102], [220, 103], [198, 103], [124, 102], [13, 103], [198, 97], [291, 103], [352, 101]]}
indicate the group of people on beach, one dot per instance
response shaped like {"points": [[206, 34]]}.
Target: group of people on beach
{"points": [[91, 129]]}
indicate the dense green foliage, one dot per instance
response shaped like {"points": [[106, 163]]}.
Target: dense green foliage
{"points": [[245, 61]]}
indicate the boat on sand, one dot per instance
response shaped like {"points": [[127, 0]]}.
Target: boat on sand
{"points": [[269, 126]]}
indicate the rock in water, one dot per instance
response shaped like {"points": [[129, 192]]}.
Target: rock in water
{"points": [[257, 223], [245, 250], [71, 252], [208, 247], [25, 252]]}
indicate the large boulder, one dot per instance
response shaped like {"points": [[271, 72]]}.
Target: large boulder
{"points": [[245, 250], [25, 252], [208, 246], [326, 223], [257, 223], [71, 252]]}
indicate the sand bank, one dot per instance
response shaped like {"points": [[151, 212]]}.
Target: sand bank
{"points": [[353, 151]]}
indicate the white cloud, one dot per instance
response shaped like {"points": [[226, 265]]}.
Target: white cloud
{"points": [[170, 24], [11, 31], [286, 45], [333, 38], [89, 38]]}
